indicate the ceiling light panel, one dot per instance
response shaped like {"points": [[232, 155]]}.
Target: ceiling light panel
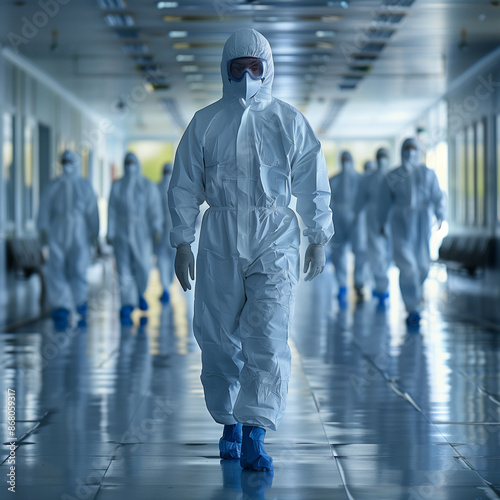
{"points": [[119, 20], [112, 4], [135, 48]]}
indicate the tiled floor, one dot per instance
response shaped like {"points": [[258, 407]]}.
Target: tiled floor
{"points": [[374, 412]]}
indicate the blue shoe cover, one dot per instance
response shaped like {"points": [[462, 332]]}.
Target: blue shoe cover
{"points": [[382, 297], [82, 309], [143, 305], [165, 297], [125, 313], [253, 454], [413, 320], [230, 442], [61, 325], [342, 296], [60, 314]]}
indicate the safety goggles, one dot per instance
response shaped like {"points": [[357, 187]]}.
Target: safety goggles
{"points": [[236, 68]]}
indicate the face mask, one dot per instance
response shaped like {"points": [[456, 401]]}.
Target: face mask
{"points": [[383, 163], [68, 168], [247, 87], [131, 168], [347, 165], [411, 158]]}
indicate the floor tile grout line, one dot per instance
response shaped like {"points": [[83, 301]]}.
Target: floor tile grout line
{"points": [[411, 401], [334, 454]]}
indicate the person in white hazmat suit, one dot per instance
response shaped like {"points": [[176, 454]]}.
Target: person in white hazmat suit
{"points": [[135, 219], [412, 192], [348, 231], [378, 250], [165, 253], [68, 220], [245, 155]]}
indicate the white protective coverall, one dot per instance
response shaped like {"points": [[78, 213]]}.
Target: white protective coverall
{"points": [[164, 252], [135, 217], [412, 191], [246, 159], [378, 250], [348, 231], [69, 218]]}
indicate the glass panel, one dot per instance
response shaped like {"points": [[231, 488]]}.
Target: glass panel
{"points": [[8, 165], [471, 178], [28, 150], [498, 167], [460, 194], [480, 173]]}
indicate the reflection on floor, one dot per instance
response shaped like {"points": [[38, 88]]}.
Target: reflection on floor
{"points": [[374, 412]]}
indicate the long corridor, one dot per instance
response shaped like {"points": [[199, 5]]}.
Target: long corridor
{"points": [[374, 412]]}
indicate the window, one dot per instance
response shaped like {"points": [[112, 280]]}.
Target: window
{"points": [[498, 166], [480, 173], [28, 177], [8, 167], [471, 179], [461, 179]]}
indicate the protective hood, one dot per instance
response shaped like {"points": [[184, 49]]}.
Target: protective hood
{"points": [[351, 166], [369, 166], [247, 43], [70, 162], [131, 164], [382, 159], [410, 160]]}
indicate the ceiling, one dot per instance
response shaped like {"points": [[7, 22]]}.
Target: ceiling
{"points": [[357, 69]]}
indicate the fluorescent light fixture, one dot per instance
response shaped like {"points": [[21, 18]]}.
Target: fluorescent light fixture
{"points": [[172, 19], [135, 48], [167, 5], [177, 34], [343, 4], [325, 34], [190, 68], [181, 45], [119, 20], [194, 77], [184, 58], [330, 19]]}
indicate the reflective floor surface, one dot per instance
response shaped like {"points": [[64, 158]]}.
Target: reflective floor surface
{"points": [[374, 411]]}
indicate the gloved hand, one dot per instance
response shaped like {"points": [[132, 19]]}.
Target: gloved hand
{"points": [[315, 258], [184, 262]]}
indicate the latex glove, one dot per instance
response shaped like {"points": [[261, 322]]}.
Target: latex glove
{"points": [[184, 262], [314, 260], [157, 236]]}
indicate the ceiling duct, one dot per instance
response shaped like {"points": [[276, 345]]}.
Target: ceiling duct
{"points": [[380, 34], [331, 114], [399, 3], [389, 18]]}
